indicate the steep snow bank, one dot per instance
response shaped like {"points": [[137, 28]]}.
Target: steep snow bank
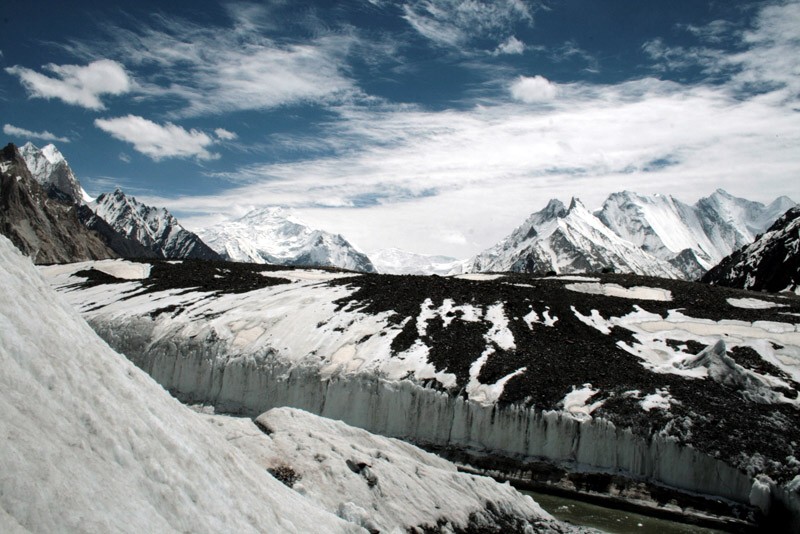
{"points": [[90, 443], [381, 483]]}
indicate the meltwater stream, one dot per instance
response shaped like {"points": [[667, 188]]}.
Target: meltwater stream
{"points": [[611, 520]]}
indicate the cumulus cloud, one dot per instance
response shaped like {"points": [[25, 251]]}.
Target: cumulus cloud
{"points": [[512, 45], [225, 135], [158, 141], [75, 84], [532, 90], [10, 129]]}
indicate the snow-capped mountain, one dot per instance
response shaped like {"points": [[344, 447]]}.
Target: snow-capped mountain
{"points": [[677, 388], [49, 167], [45, 228], [568, 240], [276, 236], [396, 261], [155, 228], [770, 263], [676, 238], [733, 222]]}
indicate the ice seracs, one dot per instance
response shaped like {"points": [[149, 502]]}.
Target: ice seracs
{"points": [[277, 236]]}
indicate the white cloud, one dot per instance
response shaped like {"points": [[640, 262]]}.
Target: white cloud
{"points": [[512, 45], [9, 129], [455, 22], [76, 84], [421, 171], [214, 70], [125, 158], [534, 89], [158, 141], [224, 134]]}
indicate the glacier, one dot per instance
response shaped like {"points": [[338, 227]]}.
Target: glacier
{"points": [[91, 443], [507, 372]]}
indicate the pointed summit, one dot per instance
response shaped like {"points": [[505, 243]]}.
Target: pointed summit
{"points": [[49, 167]]}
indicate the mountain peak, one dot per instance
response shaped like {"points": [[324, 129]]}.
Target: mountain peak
{"points": [[275, 235]]}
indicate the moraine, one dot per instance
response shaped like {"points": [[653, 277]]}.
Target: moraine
{"points": [[653, 389]]}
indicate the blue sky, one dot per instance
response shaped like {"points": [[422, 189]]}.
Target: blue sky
{"points": [[435, 126]]}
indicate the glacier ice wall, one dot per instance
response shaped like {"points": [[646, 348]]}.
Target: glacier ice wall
{"points": [[199, 370]]}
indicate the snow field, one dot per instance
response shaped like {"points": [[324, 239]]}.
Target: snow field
{"points": [[91, 443], [380, 483]]}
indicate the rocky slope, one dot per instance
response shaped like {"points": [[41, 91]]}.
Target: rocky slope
{"points": [[641, 387], [45, 228], [771, 263], [276, 236], [154, 228]]}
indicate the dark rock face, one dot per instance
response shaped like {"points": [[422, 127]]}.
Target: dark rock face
{"points": [[153, 228], [44, 228], [121, 245], [771, 263]]}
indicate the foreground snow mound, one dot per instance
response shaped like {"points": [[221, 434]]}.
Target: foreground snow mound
{"points": [[380, 483], [276, 236], [771, 263], [92, 444]]}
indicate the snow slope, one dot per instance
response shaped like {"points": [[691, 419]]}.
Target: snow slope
{"points": [[51, 170], [382, 484], [276, 236], [593, 377], [771, 263], [568, 240], [396, 261], [154, 228], [92, 444]]}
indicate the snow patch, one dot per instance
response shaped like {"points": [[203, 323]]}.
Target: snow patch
{"points": [[479, 277], [754, 304], [575, 402], [660, 400], [615, 290]]}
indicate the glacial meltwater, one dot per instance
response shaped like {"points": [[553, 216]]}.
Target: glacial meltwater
{"points": [[611, 520]]}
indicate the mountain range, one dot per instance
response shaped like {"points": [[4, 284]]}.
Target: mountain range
{"points": [[655, 235]]}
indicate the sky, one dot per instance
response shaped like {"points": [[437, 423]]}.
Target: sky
{"points": [[434, 126]]}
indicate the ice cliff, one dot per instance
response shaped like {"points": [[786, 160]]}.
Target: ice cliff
{"points": [[602, 376]]}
